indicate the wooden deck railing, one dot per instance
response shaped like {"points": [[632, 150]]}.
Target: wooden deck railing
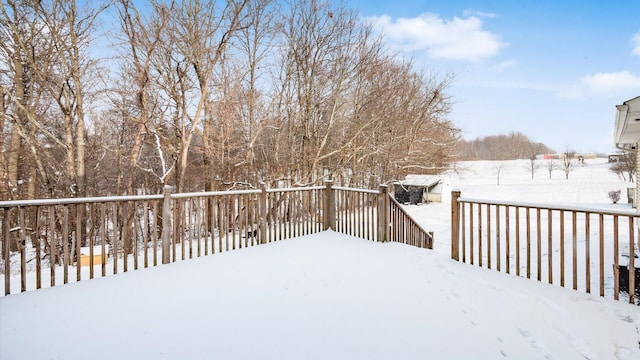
{"points": [[43, 241], [356, 212], [358, 215], [405, 230], [561, 245]]}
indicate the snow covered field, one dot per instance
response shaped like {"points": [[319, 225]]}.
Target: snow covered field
{"points": [[329, 296], [587, 186]]}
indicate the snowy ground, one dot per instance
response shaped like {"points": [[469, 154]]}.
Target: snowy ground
{"points": [[325, 296], [587, 186], [330, 296]]}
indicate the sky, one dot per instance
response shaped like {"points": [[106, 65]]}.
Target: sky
{"points": [[552, 70]]}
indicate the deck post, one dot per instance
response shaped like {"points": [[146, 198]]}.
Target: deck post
{"points": [[263, 213], [166, 224], [383, 214], [329, 213], [6, 251], [632, 265], [455, 225]]}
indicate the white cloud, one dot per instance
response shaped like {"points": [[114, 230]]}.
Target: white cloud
{"points": [[611, 83], [635, 41], [478, 13], [455, 39], [504, 65]]}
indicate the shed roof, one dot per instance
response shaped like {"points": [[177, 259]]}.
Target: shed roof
{"points": [[421, 180]]}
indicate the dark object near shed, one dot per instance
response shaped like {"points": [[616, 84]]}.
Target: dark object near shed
{"points": [[623, 277], [418, 189], [409, 194]]}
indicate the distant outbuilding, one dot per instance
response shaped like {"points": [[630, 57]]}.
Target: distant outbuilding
{"points": [[614, 157], [418, 189]]}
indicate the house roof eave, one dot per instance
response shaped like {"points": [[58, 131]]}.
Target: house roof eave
{"points": [[627, 126]]}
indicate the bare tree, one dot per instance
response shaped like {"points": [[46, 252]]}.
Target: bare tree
{"points": [[200, 91], [497, 170], [4, 107], [568, 162], [23, 45], [72, 41], [48, 45], [250, 103], [625, 167], [533, 165], [143, 37], [318, 62], [203, 33], [551, 165], [514, 145]]}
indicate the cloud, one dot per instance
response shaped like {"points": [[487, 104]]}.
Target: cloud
{"points": [[635, 41], [461, 39], [504, 65], [478, 13], [611, 83]]}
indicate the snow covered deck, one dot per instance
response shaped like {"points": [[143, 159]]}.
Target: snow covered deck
{"points": [[322, 296]]}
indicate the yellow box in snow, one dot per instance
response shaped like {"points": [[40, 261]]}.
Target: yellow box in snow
{"points": [[85, 255]]}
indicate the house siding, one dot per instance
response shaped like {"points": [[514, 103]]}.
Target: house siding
{"points": [[636, 196]]}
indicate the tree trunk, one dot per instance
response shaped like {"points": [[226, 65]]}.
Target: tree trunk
{"points": [[4, 188], [15, 144], [80, 125]]}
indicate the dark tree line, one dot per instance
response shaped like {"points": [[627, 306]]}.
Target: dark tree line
{"points": [[207, 95], [511, 146]]}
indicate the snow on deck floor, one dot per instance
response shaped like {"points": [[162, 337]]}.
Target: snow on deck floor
{"points": [[324, 296]]}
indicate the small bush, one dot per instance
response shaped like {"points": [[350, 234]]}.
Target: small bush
{"points": [[614, 195]]}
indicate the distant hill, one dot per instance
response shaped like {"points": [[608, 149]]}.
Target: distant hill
{"points": [[514, 145]]}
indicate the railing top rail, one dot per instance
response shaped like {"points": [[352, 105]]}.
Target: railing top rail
{"points": [[308, 188], [367, 191], [242, 192], [581, 209], [105, 199], [67, 201], [396, 203], [213, 193]]}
